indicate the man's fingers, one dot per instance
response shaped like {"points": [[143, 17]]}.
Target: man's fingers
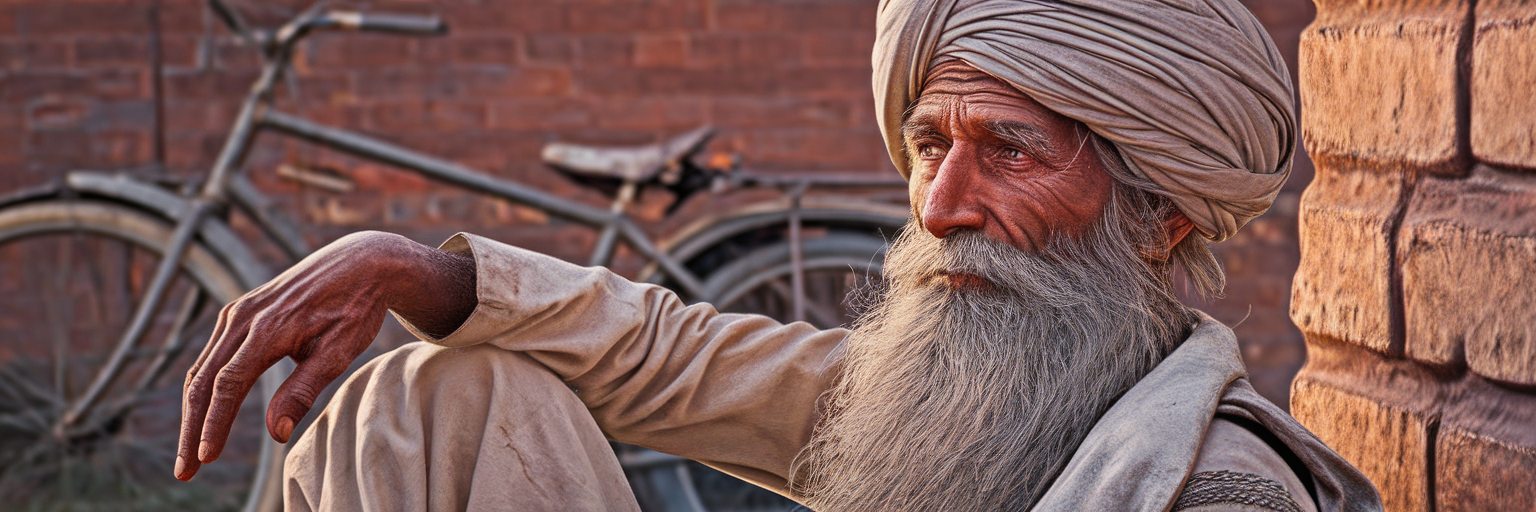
{"points": [[197, 394], [218, 332], [192, 410], [230, 386], [298, 394]]}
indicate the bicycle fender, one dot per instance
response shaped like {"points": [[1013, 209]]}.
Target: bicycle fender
{"points": [[216, 235], [29, 194], [704, 233]]}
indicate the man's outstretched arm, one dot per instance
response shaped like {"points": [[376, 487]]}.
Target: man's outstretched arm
{"points": [[323, 312]]}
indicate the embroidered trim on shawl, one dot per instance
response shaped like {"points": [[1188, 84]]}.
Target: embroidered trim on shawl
{"points": [[1212, 487]]}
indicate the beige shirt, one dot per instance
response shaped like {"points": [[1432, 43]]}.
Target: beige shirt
{"points": [[737, 392]]}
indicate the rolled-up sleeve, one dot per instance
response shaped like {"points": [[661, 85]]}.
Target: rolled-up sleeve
{"points": [[738, 392]]}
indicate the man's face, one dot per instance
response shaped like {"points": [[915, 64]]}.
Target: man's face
{"points": [[987, 158]]}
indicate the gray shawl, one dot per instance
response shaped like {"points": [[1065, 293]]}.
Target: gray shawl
{"points": [[1141, 451]]}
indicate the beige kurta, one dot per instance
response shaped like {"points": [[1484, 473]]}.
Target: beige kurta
{"points": [[489, 423]]}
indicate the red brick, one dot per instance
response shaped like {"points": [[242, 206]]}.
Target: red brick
{"points": [[194, 149], [97, 18], [377, 177], [8, 20], [1503, 56], [471, 49], [1388, 443], [16, 88], [79, 149], [199, 114], [839, 15], [746, 15], [52, 113], [535, 114], [825, 49], [357, 51], [839, 81], [123, 115], [181, 18], [605, 50], [34, 53], [813, 149], [743, 50], [1468, 255], [551, 48], [179, 51], [768, 112], [656, 15], [503, 18], [683, 81], [122, 50], [652, 113], [1343, 286], [416, 115], [1475, 471], [464, 81], [1380, 83], [122, 83], [668, 50], [324, 86]]}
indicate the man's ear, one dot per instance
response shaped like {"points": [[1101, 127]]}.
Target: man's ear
{"points": [[1177, 226]]}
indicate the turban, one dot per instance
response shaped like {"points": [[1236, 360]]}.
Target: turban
{"points": [[1192, 92]]}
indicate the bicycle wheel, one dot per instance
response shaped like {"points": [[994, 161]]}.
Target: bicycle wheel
{"points": [[760, 282], [72, 273]]}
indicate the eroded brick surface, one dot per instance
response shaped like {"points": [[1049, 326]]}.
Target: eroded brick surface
{"points": [[1378, 82], [1477, 472], [1468, 255], [1503, 130], [1389, 444], [1342, 289]]}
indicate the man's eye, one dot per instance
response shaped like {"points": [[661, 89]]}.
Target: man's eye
{"points": [[1013, 154], [930, 151]]}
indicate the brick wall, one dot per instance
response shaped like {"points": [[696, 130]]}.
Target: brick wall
{"points": [[785, 81], [1419, 248]]}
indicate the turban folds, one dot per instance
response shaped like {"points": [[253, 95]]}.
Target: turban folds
{"points": [[1192, 92]]}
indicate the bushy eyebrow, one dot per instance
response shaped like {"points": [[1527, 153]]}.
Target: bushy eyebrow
{"points": [[919, 127], [1029, 138]]}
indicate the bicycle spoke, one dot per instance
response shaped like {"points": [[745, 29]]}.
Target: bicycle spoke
{"points": [[23, 422], [58, 322], [16, 392], [175, 340], [22, 384]]}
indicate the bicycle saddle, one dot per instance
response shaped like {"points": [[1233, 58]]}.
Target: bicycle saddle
{"points": [[638, 163]]}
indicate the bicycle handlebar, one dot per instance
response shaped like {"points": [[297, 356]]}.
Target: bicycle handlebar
{"points": [[409, 24]]}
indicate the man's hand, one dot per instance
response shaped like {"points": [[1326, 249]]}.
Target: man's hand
{"points": [[323, 313]]}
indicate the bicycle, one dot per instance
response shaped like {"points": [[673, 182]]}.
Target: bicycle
{"points": [[109, 257]]}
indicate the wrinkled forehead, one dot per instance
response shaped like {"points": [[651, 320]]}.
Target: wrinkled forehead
{"points": [[955, 82], [954, 77]]}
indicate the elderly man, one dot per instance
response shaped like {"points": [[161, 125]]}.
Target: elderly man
{"points": [[1026, 350]]}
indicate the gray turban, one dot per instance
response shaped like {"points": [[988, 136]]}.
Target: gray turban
{"points": [[1192, 92]]}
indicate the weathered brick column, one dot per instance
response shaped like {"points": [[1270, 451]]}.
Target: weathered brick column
{"points": [[1417, 286]]}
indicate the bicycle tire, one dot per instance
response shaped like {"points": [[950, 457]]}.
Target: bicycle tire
{"points": [[835, 264], [104, 231]]}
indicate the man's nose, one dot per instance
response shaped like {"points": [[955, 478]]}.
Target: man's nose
{"points": [[953, 204]]}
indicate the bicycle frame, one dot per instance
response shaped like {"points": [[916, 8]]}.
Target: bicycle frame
{"points": [[224, 185]]}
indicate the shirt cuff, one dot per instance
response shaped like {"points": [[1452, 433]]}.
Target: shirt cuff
{"points": [[490, 315]]}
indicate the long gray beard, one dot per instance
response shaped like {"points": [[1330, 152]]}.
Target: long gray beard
{"points": [[975, 397]]}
